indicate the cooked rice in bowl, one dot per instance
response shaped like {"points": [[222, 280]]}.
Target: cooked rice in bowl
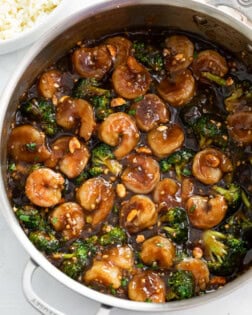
{"points": [[17, 16]]}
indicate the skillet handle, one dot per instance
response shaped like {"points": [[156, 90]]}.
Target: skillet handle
{"points": [[239, 9], [104, 310], [31, 296], [37, 302]]}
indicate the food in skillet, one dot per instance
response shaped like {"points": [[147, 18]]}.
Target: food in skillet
{"points": [[130, 166]]}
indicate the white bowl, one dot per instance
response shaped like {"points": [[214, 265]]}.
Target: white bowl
{"points": [[32, 34]]}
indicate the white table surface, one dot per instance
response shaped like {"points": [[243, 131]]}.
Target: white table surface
{"points": [[13, 259]]}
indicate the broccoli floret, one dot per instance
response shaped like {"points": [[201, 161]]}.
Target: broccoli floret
{"points": [[81, 250], [232, 194], [96, 171], [43, 112], [238, 225], [101, 153], [40, 233], [210, 130], [30, 218], [78, 257], [86, 88], [246, 230], [181, 285], [240, 99], [71, 268], [82, 177], [115, 236], [100, 98], [148, 55], [181, 254], [215, 78], [247, 203], [103, 158], [224, 252], [245, 219], [179, 161], [101, 106], [44, 241], [176, 224], [232, 225]]}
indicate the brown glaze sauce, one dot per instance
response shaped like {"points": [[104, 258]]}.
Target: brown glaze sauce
{"points": [[208, 98]]}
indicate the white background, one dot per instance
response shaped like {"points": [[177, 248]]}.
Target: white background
{"points": [[13, 259]]}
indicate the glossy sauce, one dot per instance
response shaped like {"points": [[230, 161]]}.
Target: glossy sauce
{"points": [[209, 98]]}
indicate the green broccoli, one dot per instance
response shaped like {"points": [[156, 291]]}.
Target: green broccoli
{"points": [[240, 99], [182, 253], [103, 158], [42, 111], [81, 178], [115, 236], [39, 231], [181, 285], [79, 256], [101, 106], [246, 221], [30, 218], [148, 55], [71, 268], [44, 241], [215, 78], [224, 252], [210, 130], [232, 194], [85, 88], [96, 171], [176, 224], [178, 160], [247, 203], [100, 98], [238, 225]]}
